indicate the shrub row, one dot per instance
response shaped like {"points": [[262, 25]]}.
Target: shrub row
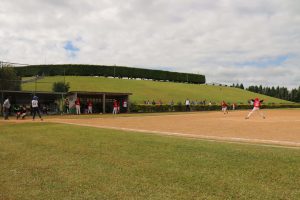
{"points": [[113, 71], [142, 108]]}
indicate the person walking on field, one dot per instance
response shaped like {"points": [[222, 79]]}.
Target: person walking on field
{"points": [[6, 107], [256, 107], [35, 107], [77, 105], [224, 107]]}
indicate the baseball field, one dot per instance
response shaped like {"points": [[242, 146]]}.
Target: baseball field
{"points": [[198, 155], [281, 127]]}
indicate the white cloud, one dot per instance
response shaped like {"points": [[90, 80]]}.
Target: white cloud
{"points": [[199, 36]]}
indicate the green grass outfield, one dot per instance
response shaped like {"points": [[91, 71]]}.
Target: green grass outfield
{"points": [[56, 161], [152, 90]]}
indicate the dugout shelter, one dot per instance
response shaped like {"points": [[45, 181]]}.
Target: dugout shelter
{"points": [[53, 101], [102, 101]]}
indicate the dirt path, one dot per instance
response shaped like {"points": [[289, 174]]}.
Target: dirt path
{"points": [[281, 127]]}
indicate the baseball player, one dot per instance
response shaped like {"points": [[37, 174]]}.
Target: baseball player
{"points": [[224, 107], [256, 107], [35, 107]]}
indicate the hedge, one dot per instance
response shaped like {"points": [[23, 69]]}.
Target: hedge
{"points": [[113, 71], [142, 108]]}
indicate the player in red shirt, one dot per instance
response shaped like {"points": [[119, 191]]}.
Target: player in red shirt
{"points": [[115, 105], [256, 107], [77, 105], [90, 107], [224, 107]]}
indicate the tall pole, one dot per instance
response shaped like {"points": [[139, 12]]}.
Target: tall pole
{"points": [[64, 76], [35, 85], [115, 71], [2, 99], [103, 103]]}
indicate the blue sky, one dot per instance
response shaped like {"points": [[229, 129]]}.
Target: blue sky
{"points": [[71, 49], [265, 62], [229, 41]]}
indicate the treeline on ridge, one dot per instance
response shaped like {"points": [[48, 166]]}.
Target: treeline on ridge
{"points": [[277, 92], [108, 71]]}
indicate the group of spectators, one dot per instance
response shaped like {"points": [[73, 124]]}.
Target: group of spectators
{"points": [[153, 102], [187, 101]]}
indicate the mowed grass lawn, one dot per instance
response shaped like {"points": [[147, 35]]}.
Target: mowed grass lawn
{"points": [[143, 90], [56, 161]]}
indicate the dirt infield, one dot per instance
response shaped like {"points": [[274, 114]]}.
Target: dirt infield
{"points": [[281, 127]]}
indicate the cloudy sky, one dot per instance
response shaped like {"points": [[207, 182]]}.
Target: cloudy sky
{"points": [[229, 41]]}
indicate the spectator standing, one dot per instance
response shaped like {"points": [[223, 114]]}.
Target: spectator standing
{"points": [[233, 106], [160, 102], [187, 105], [6, 106], [153, 102], [172, 105]]}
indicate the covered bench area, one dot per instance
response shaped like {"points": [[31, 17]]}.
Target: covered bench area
{"points": [[53, 102], [102, 101]]}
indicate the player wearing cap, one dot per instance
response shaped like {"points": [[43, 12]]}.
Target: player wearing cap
{"points": [[256, 107], [35, 107], [224, 107]]}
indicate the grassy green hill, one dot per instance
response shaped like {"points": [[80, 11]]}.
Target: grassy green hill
{"points": [[151, 90]]}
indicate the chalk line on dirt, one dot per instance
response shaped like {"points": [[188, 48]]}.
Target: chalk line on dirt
{"points": [[261, 142]]}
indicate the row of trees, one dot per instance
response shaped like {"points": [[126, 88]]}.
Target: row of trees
{"points": [[241, 86], [112, 71], [278, 92]]}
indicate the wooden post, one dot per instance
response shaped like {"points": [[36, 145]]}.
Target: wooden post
{"points": [[103, 103], [128, 104]]}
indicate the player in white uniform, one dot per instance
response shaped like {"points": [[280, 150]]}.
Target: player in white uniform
{"points": [[35, 107]]}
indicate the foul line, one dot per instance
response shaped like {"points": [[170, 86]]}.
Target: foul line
{"points": [[260, 142]]}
